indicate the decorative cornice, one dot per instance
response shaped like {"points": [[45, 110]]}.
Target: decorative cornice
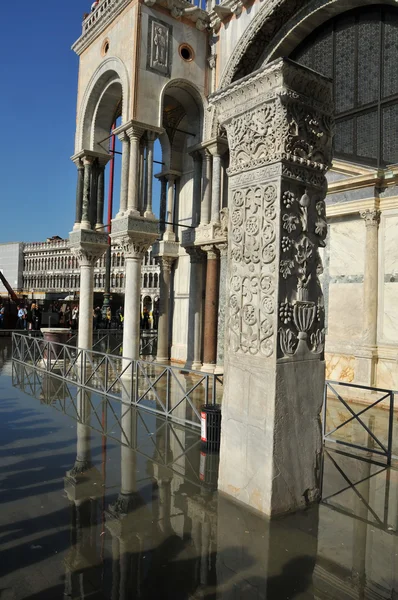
{"points": [[95, 23]]}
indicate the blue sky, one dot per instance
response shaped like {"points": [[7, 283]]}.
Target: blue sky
{"points": [[38, 103]]}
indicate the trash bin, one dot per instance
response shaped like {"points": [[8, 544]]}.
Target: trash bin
{"points": [[211, 427], [208, 473]]}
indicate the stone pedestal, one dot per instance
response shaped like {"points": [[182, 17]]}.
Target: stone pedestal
{"points": [[279, 130], [135, 235], [88, 246]]}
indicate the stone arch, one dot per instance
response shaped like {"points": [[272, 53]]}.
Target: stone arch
{"points": [[109, 82]]}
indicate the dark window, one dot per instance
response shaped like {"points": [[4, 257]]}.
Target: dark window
{"points": [[359, 51]]}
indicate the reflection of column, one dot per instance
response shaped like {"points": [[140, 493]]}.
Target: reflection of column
{"points": [[124, 183], [88, 168], [211, 309], [223, 249], [195, 308], [163, 199], [149, 161], [206, 189], [164, 308], [370, 295], [100, 197], [134, 134], [79, 194], [169, 234]]}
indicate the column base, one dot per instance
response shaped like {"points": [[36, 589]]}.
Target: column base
{"points": [[162, 359], [132, 212], [85, 225], [120, 214], [99, 227], [149, 215], [76, 226], [169, 236], [208, 367], [219, 370], [193, 366]]}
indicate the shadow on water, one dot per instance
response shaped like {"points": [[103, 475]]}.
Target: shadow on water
{"points": [[141, 519]]}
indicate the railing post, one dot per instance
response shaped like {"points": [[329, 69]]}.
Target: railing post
{"points": [[168, 391], [390, 428], [106, 374], [325, 395], [213, 399], [207, 389]]}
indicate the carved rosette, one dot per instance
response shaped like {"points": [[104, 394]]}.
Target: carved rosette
{"points": [[252, 270]]}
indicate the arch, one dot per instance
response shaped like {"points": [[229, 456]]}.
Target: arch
{"points": [[145, 280], [112, 71]]}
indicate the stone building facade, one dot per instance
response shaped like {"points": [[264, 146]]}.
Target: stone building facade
{"points": [[242, 97], [51, 271]]}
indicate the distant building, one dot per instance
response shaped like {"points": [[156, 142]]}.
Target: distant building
{"points": [[11, 265], [49, 271]]}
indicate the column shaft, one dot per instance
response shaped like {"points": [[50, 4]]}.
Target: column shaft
{"points": [[222, 295], [79, 193], [149, 175], [197, 188], [206, 189], [163, 198], [169, 234], [211, 311], [216, 189], [100, 197], [85, 223], [370, 284], [131, 328], [132, 201], [164, 307], [196, 294], [85, 335], [124, 184]]}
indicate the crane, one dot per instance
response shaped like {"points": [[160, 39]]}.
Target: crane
{"points": [[9, 288]]}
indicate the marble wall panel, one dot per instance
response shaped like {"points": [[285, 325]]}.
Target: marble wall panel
{"points": [[387, 375], [347, 248], [340, 367], [390, 234], [389, 307], [345, 311]]}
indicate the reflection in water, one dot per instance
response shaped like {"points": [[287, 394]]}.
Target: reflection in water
{"points": [[160, 530]]}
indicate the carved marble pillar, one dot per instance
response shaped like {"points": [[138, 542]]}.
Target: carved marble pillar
{"points": [[100, 197], [197, 188], [274, 368], [149, 173], [163, 354], [124, 183], [134, 134], [211, 309], [88, 247], [205, 209], [163, 199], [135, 236], [222, 295], [88, 168], [79, 193], [195, 309], [368, 355], [216, 149], [169, 234]]}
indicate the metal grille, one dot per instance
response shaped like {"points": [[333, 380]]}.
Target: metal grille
{"points": [[390, 133], [344, 137], [368, 135], [344, 69], [368, 58], [359, 50]]}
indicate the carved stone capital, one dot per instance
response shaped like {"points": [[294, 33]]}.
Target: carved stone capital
{"points": [[88, 246], [134, 246], [223, 248], [166, 262], [134, 234], [371, 217], [196, 255], [211, 251]]}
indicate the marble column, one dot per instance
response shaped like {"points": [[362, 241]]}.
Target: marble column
{"points": [[222, 295], [149, 174], [206, 188], [211, 309], [124, 183], [195, 309], [143, 175], [163, 200], [133, 255], [271, 441], [134, 134], [100, 197], [164, 309], [88, 246], [169, 234], [197, 188], [79, 194], [367, 360], [88, 168]]}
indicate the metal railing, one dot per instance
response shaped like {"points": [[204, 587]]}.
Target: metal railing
{"points": [[373, 444], [168, 390]]}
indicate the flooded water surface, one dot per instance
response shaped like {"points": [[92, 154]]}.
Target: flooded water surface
{"points": [[100, 500]]}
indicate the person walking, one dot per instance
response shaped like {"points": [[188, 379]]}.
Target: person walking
{"points": [[21, 322], [119, 317], [108, 322], [75, 318], [36, 317], [67, 316], [2, 316], [29, 317]]}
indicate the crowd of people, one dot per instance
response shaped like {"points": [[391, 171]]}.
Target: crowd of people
{"points": [[29, 317]]}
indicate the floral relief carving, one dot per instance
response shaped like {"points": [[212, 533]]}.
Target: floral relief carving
{"points": [[252, 277]]}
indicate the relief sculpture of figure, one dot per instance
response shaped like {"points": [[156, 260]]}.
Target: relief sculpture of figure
{"points": [[159, 41]]}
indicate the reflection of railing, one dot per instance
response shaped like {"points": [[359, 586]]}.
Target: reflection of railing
{"points": [[372, 443], [163, 389]]}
